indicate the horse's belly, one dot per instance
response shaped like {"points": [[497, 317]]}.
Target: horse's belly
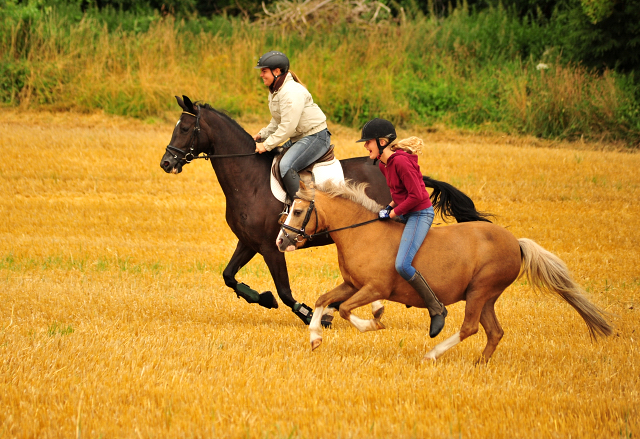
{"points": [[456, 256]]}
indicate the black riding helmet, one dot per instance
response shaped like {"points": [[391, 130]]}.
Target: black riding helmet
{"points": [[378, 129], [274, 60]]}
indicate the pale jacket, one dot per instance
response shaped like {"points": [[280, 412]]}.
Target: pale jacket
{"points": [[294, 115]]}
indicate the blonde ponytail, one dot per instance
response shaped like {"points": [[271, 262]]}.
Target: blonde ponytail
{"points": [[412, 145], [295, 78]]}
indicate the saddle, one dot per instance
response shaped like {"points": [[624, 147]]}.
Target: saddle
{"points": [[306, 173], [325, 168]]}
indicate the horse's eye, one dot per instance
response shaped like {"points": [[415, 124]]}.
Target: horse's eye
{"points": [[184, 129], [297, 212]]}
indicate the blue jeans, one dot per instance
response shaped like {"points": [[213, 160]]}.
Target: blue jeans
{"points": [[305, 151], [415, 231]]}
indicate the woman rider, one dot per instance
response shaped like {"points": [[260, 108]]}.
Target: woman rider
{"points": [[410, 202], [295, 119]]}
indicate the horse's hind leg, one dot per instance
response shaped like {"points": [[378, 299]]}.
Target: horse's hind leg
{"points": [[472, 311], [492, 328]]}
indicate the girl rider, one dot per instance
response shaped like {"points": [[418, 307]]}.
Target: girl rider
{"points": [[410, 202], [295, 119]]}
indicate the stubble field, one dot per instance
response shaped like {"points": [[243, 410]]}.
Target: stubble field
{"points": [[115, 320]]}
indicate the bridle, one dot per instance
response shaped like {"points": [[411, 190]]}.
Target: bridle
{"points": [[190, 156], [302, 233]]}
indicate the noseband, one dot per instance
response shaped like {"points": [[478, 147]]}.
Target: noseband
{"points": [[190, 156]]}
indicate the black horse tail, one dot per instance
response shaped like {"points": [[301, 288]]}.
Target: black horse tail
{"points": [[451, 202]]}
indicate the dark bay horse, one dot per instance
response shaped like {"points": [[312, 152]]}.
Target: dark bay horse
{"points": [[473, 261], [252, 210]]}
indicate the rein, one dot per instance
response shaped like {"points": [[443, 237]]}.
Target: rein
{"points": [[188, 157], [301, 232]]}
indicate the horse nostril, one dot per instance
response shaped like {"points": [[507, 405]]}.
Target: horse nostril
{"points": [[165, 164]]}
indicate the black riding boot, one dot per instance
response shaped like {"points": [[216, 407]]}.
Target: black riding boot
{"points": [[437, 311], [291, 181]]}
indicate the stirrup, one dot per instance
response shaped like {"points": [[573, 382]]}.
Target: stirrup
{"points": [[284, 214]]}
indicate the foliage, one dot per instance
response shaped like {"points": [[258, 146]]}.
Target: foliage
{"points": [[476, 68]]}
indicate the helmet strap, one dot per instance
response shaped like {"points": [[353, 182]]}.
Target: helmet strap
{"points": [[272, 87]]}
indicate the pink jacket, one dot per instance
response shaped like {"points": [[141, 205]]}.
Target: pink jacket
{"points": [[405, 182]]}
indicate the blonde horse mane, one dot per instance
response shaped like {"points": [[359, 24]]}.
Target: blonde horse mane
{"points": [[348, 189]]}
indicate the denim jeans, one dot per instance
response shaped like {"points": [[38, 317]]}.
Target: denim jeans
{"points": [[415, 231], [305, 151]]}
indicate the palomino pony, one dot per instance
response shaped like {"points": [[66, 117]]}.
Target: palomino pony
{"points": [[473, 261], [252, 210]]}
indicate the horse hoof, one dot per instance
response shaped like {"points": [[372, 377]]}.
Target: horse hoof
{"points": [[378, 313], [315, 343], [326, 321], [267, 300], [379, 324], [429, 358]]}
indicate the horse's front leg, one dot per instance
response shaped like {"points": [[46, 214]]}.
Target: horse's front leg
{"points": [[241, 256], [277, 264], [377, 309], [366, 295], [340, 293]]}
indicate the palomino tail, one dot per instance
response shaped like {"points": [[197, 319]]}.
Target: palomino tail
{"points": [[546, 271]]}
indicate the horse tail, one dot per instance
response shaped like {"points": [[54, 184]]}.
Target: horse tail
{"points": [[451, 202], [546, 271]]}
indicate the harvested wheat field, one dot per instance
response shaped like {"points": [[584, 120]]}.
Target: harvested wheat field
{"points": [[115, 320]]}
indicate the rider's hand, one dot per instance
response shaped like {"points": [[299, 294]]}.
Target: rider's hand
{"points": [[388, 208], [260, 148], [384, 215], [257, 138]]}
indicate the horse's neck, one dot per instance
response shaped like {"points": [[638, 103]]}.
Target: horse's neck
{"points": [[338, 213], [238, 176]]}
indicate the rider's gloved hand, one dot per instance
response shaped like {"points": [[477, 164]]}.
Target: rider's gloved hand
{"points": [[389, 208], [383, 215]]}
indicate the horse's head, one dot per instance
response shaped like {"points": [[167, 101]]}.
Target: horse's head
{"points": [[303, 216], [186, 141]]}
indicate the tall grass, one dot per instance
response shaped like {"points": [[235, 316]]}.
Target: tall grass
{"points": [[473, 71], [115, 320]]}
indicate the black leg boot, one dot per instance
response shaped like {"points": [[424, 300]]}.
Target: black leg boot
{"points": [[437, 311], [291, 181]]}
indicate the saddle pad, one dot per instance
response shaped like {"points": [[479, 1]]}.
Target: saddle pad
{"points": [[331, 170]]}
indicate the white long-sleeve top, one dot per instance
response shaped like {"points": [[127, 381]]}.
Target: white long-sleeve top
{"points": [[294, 115]]}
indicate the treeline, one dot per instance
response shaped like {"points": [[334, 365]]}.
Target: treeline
{"points": [[555, 69]]}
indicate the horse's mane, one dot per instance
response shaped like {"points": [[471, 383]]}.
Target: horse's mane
{"points": [[349, 190], [224, 116]]}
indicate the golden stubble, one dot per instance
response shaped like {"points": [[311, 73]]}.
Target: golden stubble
{"points": [[115, 320]]}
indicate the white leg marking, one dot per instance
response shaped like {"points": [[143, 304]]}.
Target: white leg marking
{"points": [[443, 347], [365, 325], [315, 328], [377, 309]]}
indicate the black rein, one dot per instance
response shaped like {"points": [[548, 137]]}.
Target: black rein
{"points": [[303, 233]]}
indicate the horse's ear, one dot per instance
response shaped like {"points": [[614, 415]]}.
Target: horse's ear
{"points": [[302, 186], [188, 103], [181, 103]]}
